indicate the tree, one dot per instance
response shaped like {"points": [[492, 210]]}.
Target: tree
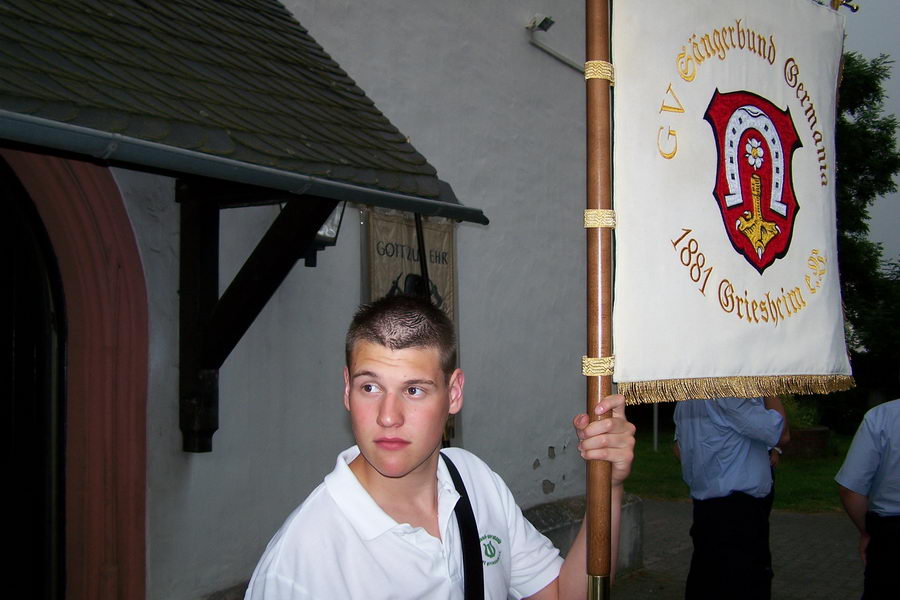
{"points": [[867, 161]]}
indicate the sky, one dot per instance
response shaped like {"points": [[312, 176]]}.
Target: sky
{"points": [[875, 30]]}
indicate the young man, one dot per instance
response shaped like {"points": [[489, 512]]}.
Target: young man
{"points": [[382, 524]]}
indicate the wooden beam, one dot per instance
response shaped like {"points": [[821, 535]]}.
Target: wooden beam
{"points": [[199, 291], [290, 237], [210, 327]]}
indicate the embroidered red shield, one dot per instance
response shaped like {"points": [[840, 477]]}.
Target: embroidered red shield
{"points": [[755, 142]]}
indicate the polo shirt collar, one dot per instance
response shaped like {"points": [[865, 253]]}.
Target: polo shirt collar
{"points": [[364, 514]]}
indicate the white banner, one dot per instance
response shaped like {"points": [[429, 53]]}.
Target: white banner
{"points": [[724, 183]]}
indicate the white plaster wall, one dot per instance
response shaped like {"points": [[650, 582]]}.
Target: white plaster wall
{"points": [[502, 122], [282, 422]]}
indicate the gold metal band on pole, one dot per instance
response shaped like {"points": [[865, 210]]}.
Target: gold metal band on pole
{"points": [[597, 367], [598, 587], [600, 69], [599, 217]]}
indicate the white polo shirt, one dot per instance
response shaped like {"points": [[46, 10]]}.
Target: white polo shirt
{"points": [[339, 544]]}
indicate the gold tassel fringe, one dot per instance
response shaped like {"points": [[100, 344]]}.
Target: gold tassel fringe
{"points": [[672, 390]]}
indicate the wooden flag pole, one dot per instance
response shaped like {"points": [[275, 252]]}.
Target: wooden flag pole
{"points": [[599, 284]]}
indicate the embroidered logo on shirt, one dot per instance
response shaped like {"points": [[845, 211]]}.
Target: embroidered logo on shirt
{"points": [[490, 549]]}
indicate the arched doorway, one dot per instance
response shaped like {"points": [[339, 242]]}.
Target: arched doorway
{"points": [[33, 333], [105, 303]]}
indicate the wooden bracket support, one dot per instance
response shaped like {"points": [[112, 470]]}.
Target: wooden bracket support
{"points": [[210, 326]]}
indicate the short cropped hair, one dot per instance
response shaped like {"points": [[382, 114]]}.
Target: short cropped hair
{"points": [[403, 321]]}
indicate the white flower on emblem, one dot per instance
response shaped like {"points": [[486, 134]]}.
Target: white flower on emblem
{"points": [[754, 153]]}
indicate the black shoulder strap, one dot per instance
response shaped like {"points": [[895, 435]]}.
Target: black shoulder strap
{"points": [[473, 577]]}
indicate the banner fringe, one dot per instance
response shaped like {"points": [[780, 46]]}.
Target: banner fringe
{"points": [[673, 390]]}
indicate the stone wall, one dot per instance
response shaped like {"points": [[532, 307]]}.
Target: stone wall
{"points": [[560, 520]]}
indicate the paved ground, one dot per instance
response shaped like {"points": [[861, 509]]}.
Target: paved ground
{"points": [[814, 556]]}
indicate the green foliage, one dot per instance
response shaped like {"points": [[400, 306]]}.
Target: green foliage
{"points": [[656, 474], [801, 484], [866, 143], [867, 161], [807, 484], [801, 412], [842, 412]]}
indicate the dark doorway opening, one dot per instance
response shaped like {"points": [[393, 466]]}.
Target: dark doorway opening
{"points": [[34, 337]]}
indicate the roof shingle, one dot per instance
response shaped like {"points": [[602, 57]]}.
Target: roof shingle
{"points": [[240, 79]]}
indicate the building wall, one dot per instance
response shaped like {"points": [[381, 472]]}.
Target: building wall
{"points": [[282, 421], [502, 123]]}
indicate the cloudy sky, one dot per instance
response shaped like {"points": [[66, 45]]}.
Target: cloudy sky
{"points": [[875, 30]]}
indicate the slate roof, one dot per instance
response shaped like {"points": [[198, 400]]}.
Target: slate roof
{"points": [[239, 80]]}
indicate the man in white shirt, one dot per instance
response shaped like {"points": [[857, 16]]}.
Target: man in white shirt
{"points": [[382, 524]]}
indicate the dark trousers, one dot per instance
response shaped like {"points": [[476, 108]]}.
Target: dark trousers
{"points": [[882, 557], [731, 549]]}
